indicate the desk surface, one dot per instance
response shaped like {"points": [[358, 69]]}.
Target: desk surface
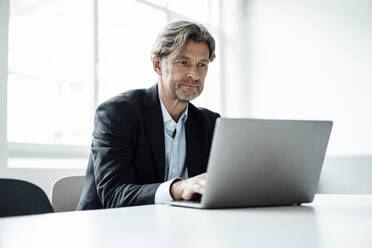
{"points": [[330, 221]]}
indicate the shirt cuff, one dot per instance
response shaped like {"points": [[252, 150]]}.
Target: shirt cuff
{"points": [[162, 194]]}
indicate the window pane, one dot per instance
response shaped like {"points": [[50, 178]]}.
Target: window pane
{"points": [[127, 31], [49, 72], [204, 11]]}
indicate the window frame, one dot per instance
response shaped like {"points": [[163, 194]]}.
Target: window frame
{"points": [[4, 24]]}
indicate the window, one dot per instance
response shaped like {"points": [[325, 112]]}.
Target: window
{"points": [[49, 72], [126, 36], [65, 57]]}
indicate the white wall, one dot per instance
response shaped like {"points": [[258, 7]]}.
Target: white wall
{"points": [[305, 60], [236, 88]]}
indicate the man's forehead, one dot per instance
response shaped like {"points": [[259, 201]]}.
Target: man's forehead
{"points": [[189, 47], [182, 56]]}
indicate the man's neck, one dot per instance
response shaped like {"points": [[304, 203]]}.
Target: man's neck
{"points": [[174, 107]]}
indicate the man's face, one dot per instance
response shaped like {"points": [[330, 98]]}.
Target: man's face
{"points": [[182, 76]]}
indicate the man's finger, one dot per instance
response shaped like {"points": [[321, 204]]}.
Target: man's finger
{"points": [[202, 182], [198, 188]]}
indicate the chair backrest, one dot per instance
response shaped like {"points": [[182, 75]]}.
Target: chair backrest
{"points": [[346, 175], [18, 197], [66, 193]]}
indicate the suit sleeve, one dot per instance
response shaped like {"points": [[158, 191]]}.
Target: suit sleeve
{"points": [[112, 148]]}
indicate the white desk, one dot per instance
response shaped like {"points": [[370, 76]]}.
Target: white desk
{"points": [[330, 221]]}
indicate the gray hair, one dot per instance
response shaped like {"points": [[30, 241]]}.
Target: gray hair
{"points": [[175, 35]]}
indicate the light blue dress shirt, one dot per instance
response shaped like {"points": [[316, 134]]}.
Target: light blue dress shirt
{"points": [[175, 153]]}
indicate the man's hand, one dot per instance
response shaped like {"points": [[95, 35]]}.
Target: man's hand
{"points": [[187, 188]]}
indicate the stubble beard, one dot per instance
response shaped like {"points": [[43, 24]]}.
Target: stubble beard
{"points": [[181, 96]]}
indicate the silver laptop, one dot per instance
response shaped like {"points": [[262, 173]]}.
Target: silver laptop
{"points": [[256, 162]]}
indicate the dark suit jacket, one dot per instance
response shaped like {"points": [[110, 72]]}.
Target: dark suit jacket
{"points": [[127, 160]]}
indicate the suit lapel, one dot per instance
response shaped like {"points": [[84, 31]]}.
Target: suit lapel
{"points": [[154, 125], [153, 119], [193, 145]]}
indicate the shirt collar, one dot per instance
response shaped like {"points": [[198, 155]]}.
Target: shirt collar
{"points": [[166, 115]]}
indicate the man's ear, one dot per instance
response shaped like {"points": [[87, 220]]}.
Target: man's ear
{"points": [[156, 63]]}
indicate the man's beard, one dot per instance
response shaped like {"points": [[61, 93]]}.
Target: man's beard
{"points": [[181, 96]]}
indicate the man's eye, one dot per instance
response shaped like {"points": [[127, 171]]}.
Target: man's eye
{"points": [[202, 65], [183, 62]]}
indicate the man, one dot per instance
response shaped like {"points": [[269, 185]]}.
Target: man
{"points": [[152, 145]]}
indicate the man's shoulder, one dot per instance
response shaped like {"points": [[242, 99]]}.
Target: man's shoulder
{"points": [[123, 109], [125, 99], [204, 116], [203, 112], [131, 100], [208, 112]]}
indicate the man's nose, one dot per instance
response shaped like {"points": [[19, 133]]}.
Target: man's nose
{"points": [[193, 74]]}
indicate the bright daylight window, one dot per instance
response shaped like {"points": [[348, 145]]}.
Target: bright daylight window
{"points": [[52, 71]]}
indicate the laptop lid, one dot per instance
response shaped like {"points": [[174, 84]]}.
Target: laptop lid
{"points": [[257, 162]]}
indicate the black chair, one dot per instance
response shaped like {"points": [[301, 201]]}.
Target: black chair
{"points": [[19, 197]]}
